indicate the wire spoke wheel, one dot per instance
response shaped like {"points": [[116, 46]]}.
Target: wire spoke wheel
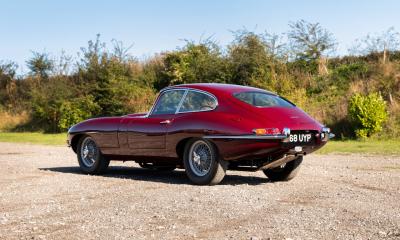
{"points": [[202, 163], [200, 158], [89, 152], [90, 158]]}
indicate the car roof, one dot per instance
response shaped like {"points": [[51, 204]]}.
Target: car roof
{"points": [[217, 88]]}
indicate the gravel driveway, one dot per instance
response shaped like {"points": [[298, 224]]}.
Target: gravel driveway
{"points": [[44, 196]]}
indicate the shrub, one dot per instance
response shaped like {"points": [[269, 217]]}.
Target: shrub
{"points": [[367, 113], [351, 71], [344, 74], [10, 121], [77, 110]]}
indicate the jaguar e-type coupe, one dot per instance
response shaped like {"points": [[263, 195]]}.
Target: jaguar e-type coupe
{"points": [[205, 129]]}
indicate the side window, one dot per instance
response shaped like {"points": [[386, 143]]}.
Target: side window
{"points": [[258, 99], [168, 102], [197, 101]]}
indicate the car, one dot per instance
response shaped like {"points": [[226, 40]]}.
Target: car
{"points": [[206, 129]]}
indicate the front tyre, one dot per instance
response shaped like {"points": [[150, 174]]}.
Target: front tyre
{"points": [[90, 159], [202, 165], [285, 172]]}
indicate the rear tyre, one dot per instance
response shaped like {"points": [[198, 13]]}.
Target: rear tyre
{"points": [[90, 158], [201, 162], [285, 172]]}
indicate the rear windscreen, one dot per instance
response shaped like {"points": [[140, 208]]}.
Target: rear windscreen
{"points": [[259, 99]]}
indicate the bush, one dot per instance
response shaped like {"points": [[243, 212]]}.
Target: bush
{"points": [[351, 71], [75, 111], [367, 113], [10, 121], [346, 73]]}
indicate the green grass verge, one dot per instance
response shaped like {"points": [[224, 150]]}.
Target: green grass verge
{"points": [[34, 138], [381, 147], [386, 147]]}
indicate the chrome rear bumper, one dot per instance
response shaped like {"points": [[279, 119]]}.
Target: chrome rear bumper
{"points": [[325, 135]]}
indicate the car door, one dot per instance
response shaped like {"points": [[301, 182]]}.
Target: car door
{"points": [[192, 119], [149, 132]]}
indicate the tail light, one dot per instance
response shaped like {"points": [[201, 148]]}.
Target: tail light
{"points": [[266, 131]]}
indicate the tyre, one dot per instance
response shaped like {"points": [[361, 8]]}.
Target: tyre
{"points": [[285, 172], [90, 158], [202, 164]]}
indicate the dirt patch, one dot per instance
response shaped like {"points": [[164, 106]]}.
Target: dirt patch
{"points": [[43, 195]]}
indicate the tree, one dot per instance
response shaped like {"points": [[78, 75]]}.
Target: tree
{"points": [[8, 84], [120, 51], [96, 71], [46, 102], [112, 79], [276, 46], [383, 42], [62, 64], [311, 42], [277, 51], [40, 65], [195, 62], [250, 60]]}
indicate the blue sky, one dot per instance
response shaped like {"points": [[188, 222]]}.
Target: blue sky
{"points": [[154, 26]]}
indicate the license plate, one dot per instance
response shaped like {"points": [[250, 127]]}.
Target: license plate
{"points": [[300, 138]]}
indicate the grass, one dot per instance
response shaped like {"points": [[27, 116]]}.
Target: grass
{"points": [[34, 138], [385, 147], [381, 147], [10, 121]]}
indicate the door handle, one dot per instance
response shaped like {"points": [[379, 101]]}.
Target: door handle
{"points": [[165, 122]]}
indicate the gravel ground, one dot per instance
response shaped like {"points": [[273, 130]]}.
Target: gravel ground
{"points": [[44, 196]]}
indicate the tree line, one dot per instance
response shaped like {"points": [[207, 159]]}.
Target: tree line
{"points": [[300, 65]]}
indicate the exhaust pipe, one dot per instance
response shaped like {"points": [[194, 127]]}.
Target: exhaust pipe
{"points": [[279, 162]]}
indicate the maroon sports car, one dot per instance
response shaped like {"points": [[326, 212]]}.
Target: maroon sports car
{"points": [[205, 129]]}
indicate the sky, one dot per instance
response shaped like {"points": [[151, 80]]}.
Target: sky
{"points": [[154, 26]]}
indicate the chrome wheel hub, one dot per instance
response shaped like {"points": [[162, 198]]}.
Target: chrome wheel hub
{"points": [[89, 152], [200, 158]]}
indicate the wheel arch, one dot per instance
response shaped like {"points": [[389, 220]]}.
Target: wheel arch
{"points": [[75, 140], [180, 147]]}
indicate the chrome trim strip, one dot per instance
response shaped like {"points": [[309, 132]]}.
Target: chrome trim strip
{"points": [[91, 131], [159, 95], [245, 137], [326, 130], [186, 89], [203, 92], [181, 102], [286, 131], [190, 89]]}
